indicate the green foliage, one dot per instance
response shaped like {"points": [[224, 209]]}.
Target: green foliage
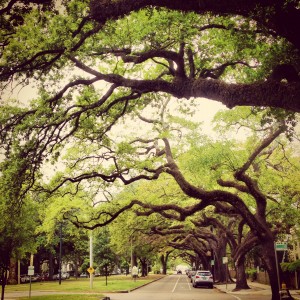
{"points": [[251, 273], [104, 255], [71, 123], [290, 266], [17, 232]]}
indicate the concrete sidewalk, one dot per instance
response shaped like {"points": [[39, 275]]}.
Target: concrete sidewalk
{"points": [[255, 289]]}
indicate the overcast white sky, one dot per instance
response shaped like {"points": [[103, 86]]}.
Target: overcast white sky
{"points": [[208, 108]]}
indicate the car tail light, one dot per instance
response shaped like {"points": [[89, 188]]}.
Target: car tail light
{"points": [[197, 276]]}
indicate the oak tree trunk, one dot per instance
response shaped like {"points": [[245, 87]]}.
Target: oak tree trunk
{"points": [[270, 262], [164, 260], [241, 278]]}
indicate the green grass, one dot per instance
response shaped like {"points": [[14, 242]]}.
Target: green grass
{"points": [[82, 286], [64, 297]]}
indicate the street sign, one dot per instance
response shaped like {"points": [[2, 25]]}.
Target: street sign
{"points": [[225, 260], [91, 270], [30, 270], [281, 246]]}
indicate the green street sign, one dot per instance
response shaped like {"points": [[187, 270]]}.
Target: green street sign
{"points": [[281, 246]]}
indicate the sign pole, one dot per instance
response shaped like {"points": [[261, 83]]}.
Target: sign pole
{"points": [[212, 262], [225, 262], [91, 260], [29, 286], [277, 269], [60, 254], [30, 273]]}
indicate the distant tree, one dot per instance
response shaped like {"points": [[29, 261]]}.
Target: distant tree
{"points": [[16, 237], [104, 255]]}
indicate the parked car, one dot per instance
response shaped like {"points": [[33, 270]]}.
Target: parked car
{"points": [[35, 277], [45, 276], [55, 276], [191, 274], [24, 278], [84, 275], [65, 275], [203, 278]]}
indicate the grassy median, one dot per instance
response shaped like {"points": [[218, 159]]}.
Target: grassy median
{"points": [[79, 289]]}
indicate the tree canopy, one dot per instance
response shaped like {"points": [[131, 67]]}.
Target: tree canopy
{"points": [[256, 37], [97, 65]]}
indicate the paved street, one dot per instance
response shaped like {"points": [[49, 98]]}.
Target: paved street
{"points": [[178, 287], [173, 287]]}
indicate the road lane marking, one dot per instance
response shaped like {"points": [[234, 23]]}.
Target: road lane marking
{"points": [[175, 284], [189, 282]]}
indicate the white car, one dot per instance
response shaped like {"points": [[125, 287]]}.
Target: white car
{"points": [[24, 278], [203, 278]]}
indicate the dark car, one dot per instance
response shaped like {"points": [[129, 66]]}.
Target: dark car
{"points": [[191, 274]]}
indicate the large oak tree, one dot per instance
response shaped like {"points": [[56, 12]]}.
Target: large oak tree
{"points": [[239, 53], [269, 20]]}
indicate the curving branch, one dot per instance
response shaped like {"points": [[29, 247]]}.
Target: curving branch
{"points": [[278, 16], [252, 186], [269, 93], [235, 29]]}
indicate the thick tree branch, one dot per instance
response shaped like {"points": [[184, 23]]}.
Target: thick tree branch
{"points": [[211, 197], [268, 93], [278, 16], [240, 174]]}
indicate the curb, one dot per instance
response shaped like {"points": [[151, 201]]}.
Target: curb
{"points": [[128, 291], [133, 289]]}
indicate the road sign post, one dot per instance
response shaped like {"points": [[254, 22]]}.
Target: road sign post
{"points": [[30, 273], [279, 247], [225, 262], [91, 269]]}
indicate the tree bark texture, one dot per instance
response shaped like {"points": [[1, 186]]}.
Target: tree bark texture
{"points": [[241, 278], [164, 260], [270, 262], [12, 278]]}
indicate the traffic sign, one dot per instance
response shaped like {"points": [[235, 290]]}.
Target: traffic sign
{"points": [[30, 270], [281, 246], [91, 270]]}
